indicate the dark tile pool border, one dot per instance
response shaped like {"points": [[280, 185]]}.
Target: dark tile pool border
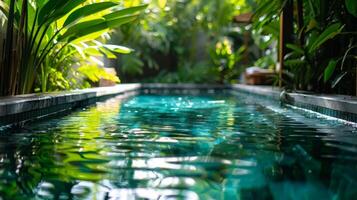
{"points": [[19, 109], [337, 106]]}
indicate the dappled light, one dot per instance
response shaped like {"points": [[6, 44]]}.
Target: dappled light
{"points": [[178, 99]]}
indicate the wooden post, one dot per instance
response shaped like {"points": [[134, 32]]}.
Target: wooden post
{"points": [[286, 34], [246, 44]]}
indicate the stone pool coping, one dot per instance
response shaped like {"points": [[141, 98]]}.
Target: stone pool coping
{"points": [[18, 109], [15, 110], [338, 106]]}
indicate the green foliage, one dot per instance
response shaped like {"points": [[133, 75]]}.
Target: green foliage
{"points": [[51, 45], [86, 11], [301, 59], [132, 65], [351, 7], [187, 73], [330, 32], [329, 70], [225, 58], [39, 32], [311, 65], [173, 35], [94, 73]]}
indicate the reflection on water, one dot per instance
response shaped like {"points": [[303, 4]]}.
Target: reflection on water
{"points": [[180, 147]]}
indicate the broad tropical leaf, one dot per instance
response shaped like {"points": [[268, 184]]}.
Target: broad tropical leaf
{"points": [[125, 12], [351, 6], [87, 10], [85, 28], [4, 8], [120, 21], [118, 49], [328, 34], [93, 51], [330, 70], [107, 53], [296, 49]]}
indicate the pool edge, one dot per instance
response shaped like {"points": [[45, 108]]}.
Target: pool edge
{"points": [[337, 106], [18, 109]]}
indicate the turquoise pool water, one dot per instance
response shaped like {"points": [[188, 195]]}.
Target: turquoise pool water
{"points": [[181, 146]]}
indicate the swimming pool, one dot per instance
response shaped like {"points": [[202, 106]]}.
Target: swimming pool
{"points": [[182, 145]]}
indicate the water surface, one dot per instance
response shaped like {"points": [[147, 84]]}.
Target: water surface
{"points": [[181, 146]]}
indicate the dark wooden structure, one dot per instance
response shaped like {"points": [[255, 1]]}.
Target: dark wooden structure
{"points": [[286, 34], [245, 18]]}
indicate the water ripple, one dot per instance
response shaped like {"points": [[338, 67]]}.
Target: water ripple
{"points": [[180, 147]]}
